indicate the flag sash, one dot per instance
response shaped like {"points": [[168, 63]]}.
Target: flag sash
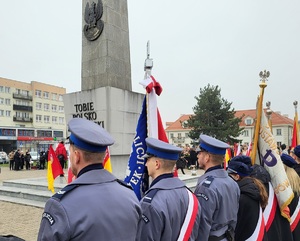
{"points": [[258, 233], [190, 218], [295, 217], [270, 210]]}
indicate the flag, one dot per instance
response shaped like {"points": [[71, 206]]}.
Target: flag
{"points": [[269, 156], [149, 125], [54, 168], [238, 150], [249, 149], [227, 157], [264, 152], [106, 161], [295, 137]]}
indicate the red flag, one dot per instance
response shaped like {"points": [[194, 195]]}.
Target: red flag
{"points": [[56, 167], [295, 132]]}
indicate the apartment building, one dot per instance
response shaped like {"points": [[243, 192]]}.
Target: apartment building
{"points": [[282, 128], [31, 115]]}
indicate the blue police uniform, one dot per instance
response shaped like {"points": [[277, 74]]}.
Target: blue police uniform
{"points": [[165, 204], [95, 206], [218, 195]]}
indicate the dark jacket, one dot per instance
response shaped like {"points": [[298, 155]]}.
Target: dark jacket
{"points": [[280, 227], [292, 206], [297, 169], [249, 207]]}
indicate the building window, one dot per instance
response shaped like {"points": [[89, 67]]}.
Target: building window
{"points": [[7, 89], [7, 101], [61, 109], [246, 132], [54, 96], [1, 101], [7, 113], [54, 108], [186, 135], [172, 135], [58, 133], [38, 118], [61, 120], [46, 107], [41, 133], [38, 105], [54, 119], [1, 88], [46, 95], [38, 93], [179, 135], [46, 119], [22, 132], [1, 112], [60, 98], [278, 132]]}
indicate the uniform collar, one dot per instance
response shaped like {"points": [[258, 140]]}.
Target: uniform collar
{"points": [[89, 168], [213, 168], [163, 176]]}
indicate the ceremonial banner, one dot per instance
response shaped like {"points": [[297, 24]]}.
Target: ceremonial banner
{"points": [[149, 125], [269, 156], [54, 168], [136, 164]]}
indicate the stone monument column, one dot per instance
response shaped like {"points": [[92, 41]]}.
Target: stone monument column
{"points": [[106, 59], [106, 95]]}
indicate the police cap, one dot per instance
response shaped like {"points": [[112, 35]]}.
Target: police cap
{"points": [[161, 149], [288, 160], [89, 136], [213, 145]]}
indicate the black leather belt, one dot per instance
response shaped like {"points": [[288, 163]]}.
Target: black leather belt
{"points": [[215, 238]]}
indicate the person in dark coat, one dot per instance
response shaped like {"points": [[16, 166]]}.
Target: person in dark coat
{"points": [[294, 206], [277, 226], [96, 205], [295, 153], [181, 163], [17, 160], [253, 199], [27, 160]]}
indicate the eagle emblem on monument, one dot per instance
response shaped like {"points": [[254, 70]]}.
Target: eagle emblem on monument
{"points": [[92, 16]]}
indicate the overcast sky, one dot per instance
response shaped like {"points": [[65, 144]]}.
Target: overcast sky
{"points": [[193, 43]]}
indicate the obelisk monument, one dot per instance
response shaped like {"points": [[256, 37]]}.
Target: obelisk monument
{"points": [[106, 95]]}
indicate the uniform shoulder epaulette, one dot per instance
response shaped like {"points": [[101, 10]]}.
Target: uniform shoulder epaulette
{"points": [[149, 196], [60, 194], [207, 181], [125, 184]]}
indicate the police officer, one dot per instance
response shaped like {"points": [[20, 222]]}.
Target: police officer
{"points": [[96, 205], [218, 194], [167, 204]]}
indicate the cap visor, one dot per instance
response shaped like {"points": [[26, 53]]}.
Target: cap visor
{"points": [[146, 156]]}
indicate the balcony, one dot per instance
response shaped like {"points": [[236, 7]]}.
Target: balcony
{"points": [[178, 140], [22, 119], [22, 107], [22, 97]]}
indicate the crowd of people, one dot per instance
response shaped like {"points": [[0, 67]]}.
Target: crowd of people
{"points": [[18, 160], [234, 204]]}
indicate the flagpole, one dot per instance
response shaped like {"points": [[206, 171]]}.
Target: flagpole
{"points": [[296, 120], [269, 113], [263, 75]]}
